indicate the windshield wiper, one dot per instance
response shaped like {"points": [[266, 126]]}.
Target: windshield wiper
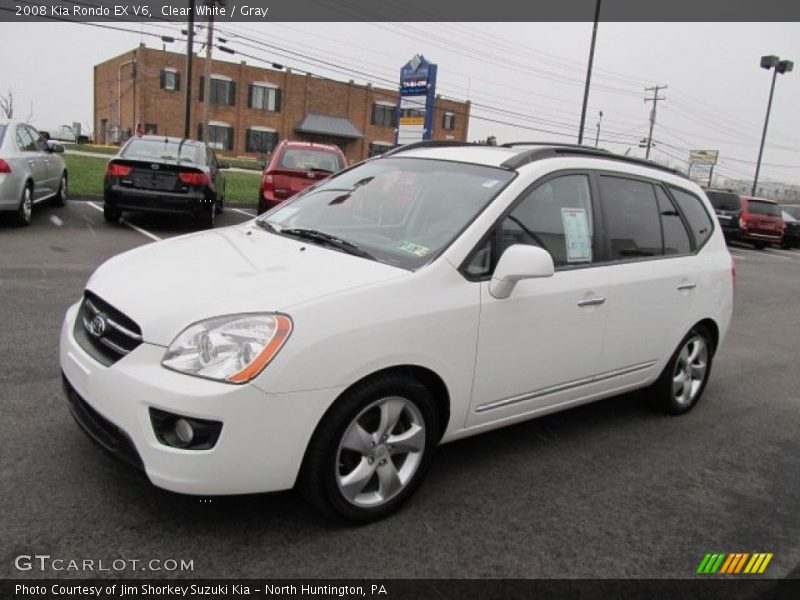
{"points": [[327, 238]]}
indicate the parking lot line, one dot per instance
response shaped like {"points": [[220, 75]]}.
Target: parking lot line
{"points": [[152, 236], [244, 212]]}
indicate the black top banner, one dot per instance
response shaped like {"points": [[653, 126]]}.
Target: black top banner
{"points": [[405, 11]]}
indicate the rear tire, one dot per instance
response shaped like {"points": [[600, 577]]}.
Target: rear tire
{"points": [[684, 378], [371, 450], [207, 219], [111, 214], [25, 210], [759, 245]]}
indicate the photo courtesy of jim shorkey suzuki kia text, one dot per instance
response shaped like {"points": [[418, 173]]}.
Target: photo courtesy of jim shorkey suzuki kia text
{"points": [[176, 590]]}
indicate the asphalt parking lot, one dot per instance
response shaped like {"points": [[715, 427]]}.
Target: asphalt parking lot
{"points": [[606, 490]]}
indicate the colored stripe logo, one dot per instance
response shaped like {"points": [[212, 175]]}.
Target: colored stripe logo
{"points": [[734, 563]]}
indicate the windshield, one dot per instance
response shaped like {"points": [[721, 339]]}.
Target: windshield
{"points": [[793, 210], [307, 160], [402, 211], [724, 200], [759, 207], [157, 149]]}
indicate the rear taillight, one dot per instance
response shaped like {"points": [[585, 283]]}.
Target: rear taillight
{"points": [[267, 185], [742, 223], [192, 178], [115, 170], [4, 166]]}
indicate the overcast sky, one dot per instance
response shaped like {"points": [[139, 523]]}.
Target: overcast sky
{"points": [[525, 79]]}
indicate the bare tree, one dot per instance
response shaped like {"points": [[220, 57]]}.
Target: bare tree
{"points": [[7, 104], [29, 118]]}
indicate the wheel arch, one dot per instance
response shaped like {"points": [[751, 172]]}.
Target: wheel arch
{"points": [[713, 329]]}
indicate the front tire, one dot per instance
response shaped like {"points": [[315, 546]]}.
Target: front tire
{"points": [[684, 378], [371, 450], [60, 199]]}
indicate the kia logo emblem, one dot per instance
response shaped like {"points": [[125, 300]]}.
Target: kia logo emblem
{"points": [[97, 327]]}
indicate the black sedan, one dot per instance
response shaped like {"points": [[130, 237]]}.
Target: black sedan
{"points": [[791, 237], [165, 175]]}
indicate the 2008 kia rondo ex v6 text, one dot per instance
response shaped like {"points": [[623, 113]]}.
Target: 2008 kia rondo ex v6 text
{"points": [[435, 292]]}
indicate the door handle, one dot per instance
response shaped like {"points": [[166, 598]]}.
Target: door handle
{"points": [[686, 286], [592, 301]]}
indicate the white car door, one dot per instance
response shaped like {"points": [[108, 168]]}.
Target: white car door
{"points": [[540, 347], [650, 283]]}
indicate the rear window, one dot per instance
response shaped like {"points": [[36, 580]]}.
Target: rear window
{"points": [[155, 150], [724, 201], [695, 213], [759, 207], [303, 159]]}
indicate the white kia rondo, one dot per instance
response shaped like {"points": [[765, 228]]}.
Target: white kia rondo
{"points": [[433, 293]]}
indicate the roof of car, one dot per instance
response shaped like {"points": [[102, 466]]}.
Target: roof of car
{"points": [[309, 145], [514, 155], [170, 140]]}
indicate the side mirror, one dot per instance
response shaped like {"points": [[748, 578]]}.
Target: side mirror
{"points": [[57, 148], [223, 164], [518, 262]]}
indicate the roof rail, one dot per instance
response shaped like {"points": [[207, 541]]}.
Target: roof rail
{"points": [[426, 144], [551, 151], [550, 144]]}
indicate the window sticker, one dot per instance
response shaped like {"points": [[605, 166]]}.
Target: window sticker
{"points": [[576, 233], [414, 249]]}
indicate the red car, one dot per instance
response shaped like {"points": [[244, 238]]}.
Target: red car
{"points": [[748, 219], [294, 167]]}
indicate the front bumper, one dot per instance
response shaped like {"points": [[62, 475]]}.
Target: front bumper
{"points": [[263, 438]]}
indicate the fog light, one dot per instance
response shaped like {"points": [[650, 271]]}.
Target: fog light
{"points": [[184, 431]]}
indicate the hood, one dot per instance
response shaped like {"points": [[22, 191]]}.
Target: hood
{"points": [[168, 285]]}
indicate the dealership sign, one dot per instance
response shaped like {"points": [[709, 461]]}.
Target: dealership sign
{"points": [[417, 97], [701, 165]]}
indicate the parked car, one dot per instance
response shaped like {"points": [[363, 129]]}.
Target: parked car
{"points": [[165, 175], [332, 345], [31, 171], [791, 237], [747, 219], [294, 166], [792, 209]]}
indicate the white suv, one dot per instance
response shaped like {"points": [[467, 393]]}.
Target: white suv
{"points": [[433, 293]]}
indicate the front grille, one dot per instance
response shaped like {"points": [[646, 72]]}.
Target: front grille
{"points": [[103, 331], [100, 430]]}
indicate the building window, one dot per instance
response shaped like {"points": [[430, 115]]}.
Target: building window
{"points": [[377, 148], [264, 97], [150, 129], [383, 114], [261, 140], [220, 136], [170, 80], [448, 121], [223, 91]]}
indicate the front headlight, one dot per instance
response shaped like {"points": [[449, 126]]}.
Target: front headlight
{"points": [[233, 348]]}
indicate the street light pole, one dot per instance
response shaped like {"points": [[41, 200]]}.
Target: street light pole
{"points": [[778, 66], [187, 101], [589, 72]]}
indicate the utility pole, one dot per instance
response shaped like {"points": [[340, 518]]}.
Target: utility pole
{"points": [[589, 72], [654, 100], [187, 100], [207, 76], [597, 137]]}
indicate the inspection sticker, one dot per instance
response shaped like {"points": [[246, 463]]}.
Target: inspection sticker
{"points": [[414, 249], [576, 232]]}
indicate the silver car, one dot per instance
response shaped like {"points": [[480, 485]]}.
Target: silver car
{"points": [[31, 170]]}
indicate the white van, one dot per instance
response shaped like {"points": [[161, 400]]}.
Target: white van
{"points": [[435, 292]]}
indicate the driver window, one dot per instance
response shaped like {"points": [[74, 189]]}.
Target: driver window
{"points": [[557, 216]]}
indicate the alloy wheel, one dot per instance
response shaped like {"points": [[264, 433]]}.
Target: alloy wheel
{"points": [[690, 370]]}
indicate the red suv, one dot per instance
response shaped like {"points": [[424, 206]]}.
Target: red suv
{"points": [[755, 220], [294, 167]]}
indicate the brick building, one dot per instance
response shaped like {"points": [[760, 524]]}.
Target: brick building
{"points": [[252, 108]]}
